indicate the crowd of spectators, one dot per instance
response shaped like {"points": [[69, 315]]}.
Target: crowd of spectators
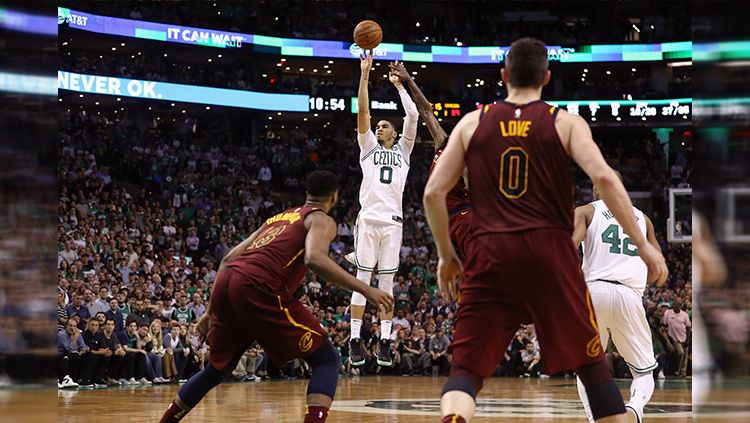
{"points": [[146, 214], [477, 23]]}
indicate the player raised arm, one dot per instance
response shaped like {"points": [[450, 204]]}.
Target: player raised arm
{"points": [[580, 145], [363, 100], [445, 176], [423, 105], [321, 230], [410, 120]]}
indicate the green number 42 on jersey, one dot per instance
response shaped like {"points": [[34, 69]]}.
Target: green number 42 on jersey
{"points": [[611, 236]]}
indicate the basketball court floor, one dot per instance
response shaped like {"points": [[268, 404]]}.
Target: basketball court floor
{"points": [[384, 399]]}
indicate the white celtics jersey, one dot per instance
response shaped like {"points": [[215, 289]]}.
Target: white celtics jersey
{"points": [[609, 254], [384, 174]]}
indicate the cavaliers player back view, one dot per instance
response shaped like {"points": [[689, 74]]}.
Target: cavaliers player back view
{"points": [[521, 264]]}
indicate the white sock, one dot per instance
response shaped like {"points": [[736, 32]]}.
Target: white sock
{"points": [[356, 328], [385, 329], [641, 390], [584, 399]]}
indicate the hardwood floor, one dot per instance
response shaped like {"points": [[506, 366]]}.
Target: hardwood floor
{"points": [[380, 399]]}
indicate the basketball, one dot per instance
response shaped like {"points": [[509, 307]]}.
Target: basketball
{"points": [[367, 34]]}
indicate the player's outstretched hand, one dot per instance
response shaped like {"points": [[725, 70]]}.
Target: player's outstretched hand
{"points": [[450, 271], [365, 62], [397, 68], [383, 300], [657, 266]]}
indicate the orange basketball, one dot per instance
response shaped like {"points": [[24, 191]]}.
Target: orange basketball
{"points": [[367, 34]]}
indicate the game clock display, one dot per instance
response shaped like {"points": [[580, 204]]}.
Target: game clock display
{"points": [[324, 104]]}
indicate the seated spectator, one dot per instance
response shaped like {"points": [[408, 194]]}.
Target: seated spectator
{"points": [[439, 353], [183, 314], [79, 309], [114, 354], [176, 354], [99, 355], [115, 315], [74, 364], [531, 360], [401, 321], [135, 356]]}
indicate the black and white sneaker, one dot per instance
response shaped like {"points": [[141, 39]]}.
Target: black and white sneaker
{"points": [[384, 353], [356, 355]]}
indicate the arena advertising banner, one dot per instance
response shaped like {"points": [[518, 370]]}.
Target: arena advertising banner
{"points": [[26, 22], [349, 50], [27, 84], [107, 85]]}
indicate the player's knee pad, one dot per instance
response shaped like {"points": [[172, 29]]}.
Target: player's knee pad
{"points": [[604, 397], [464, 380], [325, 363], [358, 299], [385, 282]]}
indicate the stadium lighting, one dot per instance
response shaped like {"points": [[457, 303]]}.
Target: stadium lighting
{"points": [[417, 24], [265, 75], [636, 28], [619, 118], [122, 44], [326, 66], [632, 69], [315, 70], [270, 118], [652, 27], [65, 43], [328, 71], [609, 73], [643, 118], [165, 54], [208, 107], [172, 104], [149, 107], [276, 18], [119, 99], [385, 76], [278, 113], [278, 64], [330, 62], [60, 100], [210, 60], [139, 53], [423, 66], [183, 111], [316, 115], [414, 72], [114, 48], [301, 69], [287, 68], [585, 70], [583, 79], [679, 64], [459, 43], [97, 103], [593, 119], [283, 59], [468, 85], [305, 119]]}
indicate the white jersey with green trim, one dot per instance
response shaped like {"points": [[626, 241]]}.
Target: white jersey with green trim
{"points": [[608, 252], [384, 173]]}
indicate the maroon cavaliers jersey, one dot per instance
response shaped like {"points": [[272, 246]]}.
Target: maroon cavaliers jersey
{"points": [[457, 199], [519, 171], [276, 259]]}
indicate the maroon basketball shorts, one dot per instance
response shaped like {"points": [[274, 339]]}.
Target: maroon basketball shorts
{"points": [[515, 278], [459, 225], [243, 312]]}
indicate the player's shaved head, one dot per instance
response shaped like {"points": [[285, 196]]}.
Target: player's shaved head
{"points": [[527, 63], [321, 184]]}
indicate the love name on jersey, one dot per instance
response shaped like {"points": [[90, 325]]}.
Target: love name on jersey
{"points": [[290, 217], [515, 128], [387, 158]]}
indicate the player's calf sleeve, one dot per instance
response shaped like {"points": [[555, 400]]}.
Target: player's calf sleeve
{"points": [[364, 276], [192, 392], [463, 380], [325, 364], [385, 282], [604, 397]]}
